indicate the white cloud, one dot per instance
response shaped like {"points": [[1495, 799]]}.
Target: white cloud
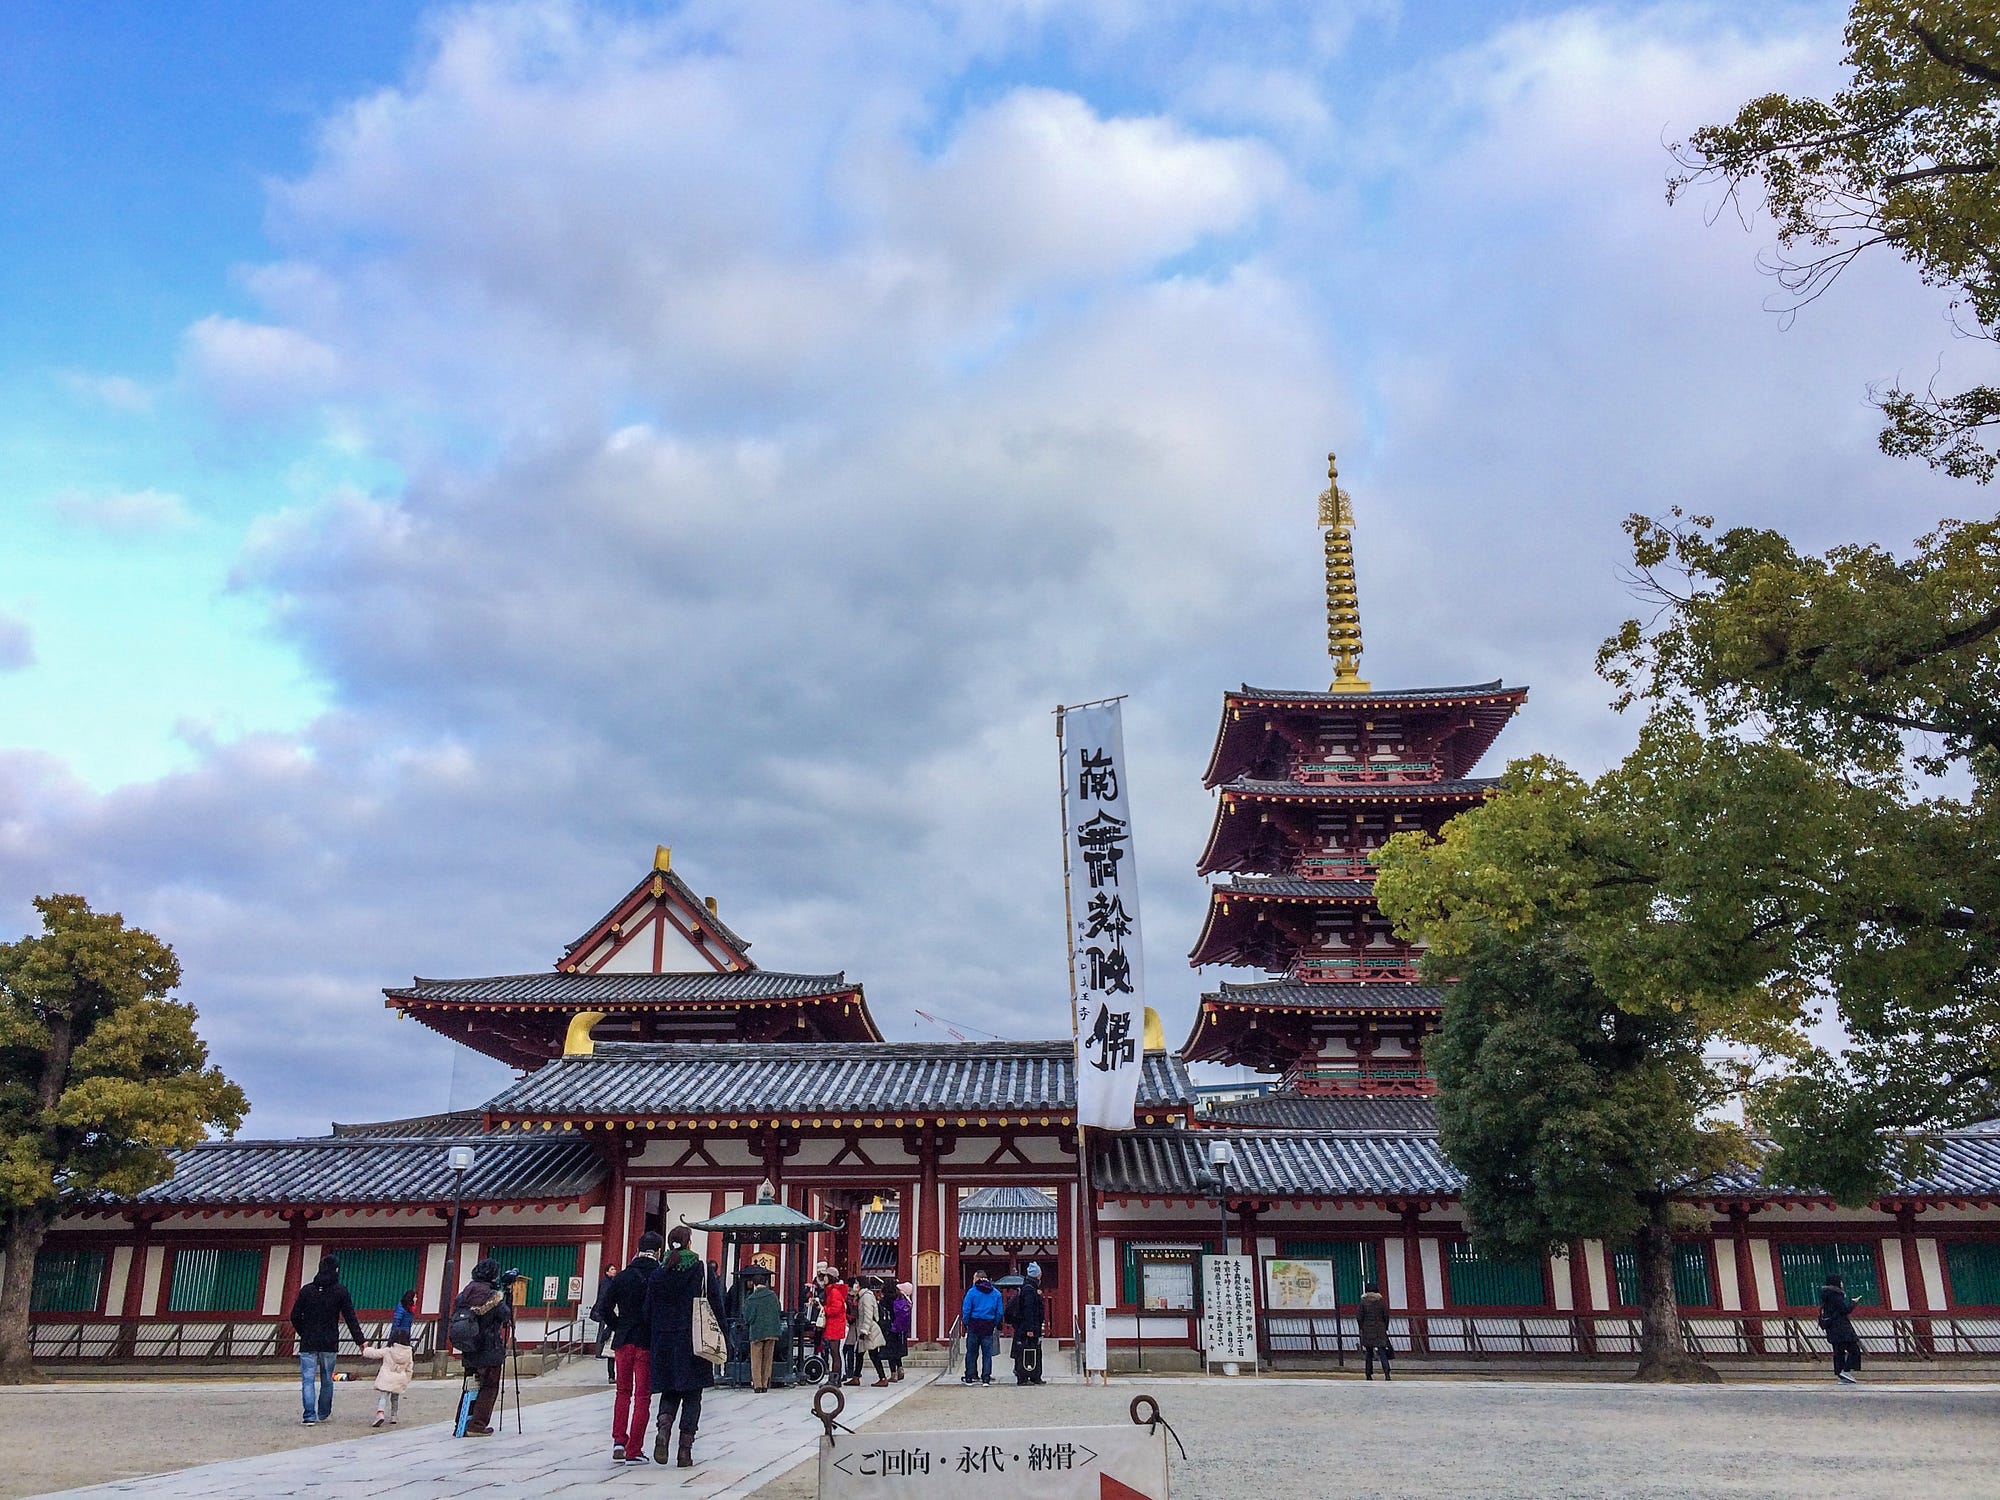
{"points": [[124, 512], [256, 367], [119, 392]]}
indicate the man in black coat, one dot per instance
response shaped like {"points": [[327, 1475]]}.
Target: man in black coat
{"points": [[623, 1307], [1836, 1313], [316, 1315], [1025, 1315], [485, 1355], [679, 1374]]}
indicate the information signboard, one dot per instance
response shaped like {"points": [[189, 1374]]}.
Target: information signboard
{"points": [[1096, 1347], [1228, 1310], [1027, 1463]]}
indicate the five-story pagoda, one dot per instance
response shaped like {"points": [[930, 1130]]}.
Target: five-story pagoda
{"points": [[1310, 785]]}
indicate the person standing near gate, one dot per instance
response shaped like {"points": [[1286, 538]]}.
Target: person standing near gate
{"points": [[622, 1309], [833, 1327], [764, 1323], [864, 1317], [1025, 1315], [1836, 1316], [981, 1310], [316, 1316], [679, 1374], [1371, 1323]]}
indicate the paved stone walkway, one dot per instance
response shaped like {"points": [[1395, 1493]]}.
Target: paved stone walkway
{"points": [[564, 1448]]}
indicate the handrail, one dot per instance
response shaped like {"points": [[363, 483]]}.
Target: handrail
{"points": [[953, 1337]]}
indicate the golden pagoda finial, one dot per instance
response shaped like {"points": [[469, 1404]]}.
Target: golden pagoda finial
{"points": [[1343, 603]]}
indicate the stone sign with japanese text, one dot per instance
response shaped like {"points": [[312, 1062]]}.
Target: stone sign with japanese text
{"points": [[1229, 1309], [1028, 1463]]}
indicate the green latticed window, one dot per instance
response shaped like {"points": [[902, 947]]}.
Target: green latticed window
{"points": [[1803, 1266], [1353, 1263], [376, 1276], [537, 1263], [1974, 1270], [1692, 1285], [217, 1281], [67, 1281], [1475, 1280]]}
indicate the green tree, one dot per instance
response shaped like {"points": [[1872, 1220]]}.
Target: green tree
{"points": [[101, 1075], [1907, 155], [1573, 1109]]}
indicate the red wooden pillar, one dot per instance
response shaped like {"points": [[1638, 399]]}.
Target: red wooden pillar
{"points": [[718, 1205], [1746, 1278], [930, 1300], [1913, 1278], [1069, 1260], [906, 1232], [135, 1287], [1579, 1298], [614, 1253], [850, 1237], [951, 1291], [294, 1278], [1413, 1282]]}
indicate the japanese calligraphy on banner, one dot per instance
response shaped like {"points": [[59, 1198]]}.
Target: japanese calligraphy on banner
{"points": [[1026, 1463], [1228, 1310], [1104, 945]]}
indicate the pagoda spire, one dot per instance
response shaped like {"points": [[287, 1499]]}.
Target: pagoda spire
{"points": [[1343, 602]]}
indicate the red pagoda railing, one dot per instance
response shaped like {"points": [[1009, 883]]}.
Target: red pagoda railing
{"points": [[1366, 969], [1362, 1078], [1365, 773], [1343, 865]]}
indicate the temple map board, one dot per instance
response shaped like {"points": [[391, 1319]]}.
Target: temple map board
{"points": [[1016, 1463]]}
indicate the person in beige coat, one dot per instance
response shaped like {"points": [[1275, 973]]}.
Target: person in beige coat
{"points": [[864, 1324], [398, 1365]]}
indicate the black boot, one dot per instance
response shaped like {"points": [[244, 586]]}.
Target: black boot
{"points": [[684, 1456]]}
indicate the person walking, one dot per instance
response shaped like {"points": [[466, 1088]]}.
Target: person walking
{"points": [[602, 1348], [316, 1316], [868, 1337], [902, 1314], [398, 1365], [1836, 1316], [622, 1309], [764, 1322], [833, 1327], [482, 1310], [679, 1374], [981, 1312], [1025, 1315], [1371, 1322]]}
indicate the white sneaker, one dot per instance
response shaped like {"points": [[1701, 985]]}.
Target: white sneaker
{"points": [[1848, 1377]]}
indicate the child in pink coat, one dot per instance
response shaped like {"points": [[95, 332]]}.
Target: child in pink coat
{"points": [[398, 1365]]}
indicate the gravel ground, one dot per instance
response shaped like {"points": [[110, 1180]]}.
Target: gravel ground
{"points": [[1437, 1440], [55, 1437]]}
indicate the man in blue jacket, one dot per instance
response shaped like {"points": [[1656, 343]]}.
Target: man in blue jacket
{"points": [[981, 1312]]}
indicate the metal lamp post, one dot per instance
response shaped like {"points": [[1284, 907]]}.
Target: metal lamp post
{"points": [[459, 1160], [1221, 1156]]}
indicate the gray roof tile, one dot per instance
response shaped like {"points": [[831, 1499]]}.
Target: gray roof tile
{"points": [[375, 1170], [1379, 695], [1287, 1110], [1331, 995], [1288, 886], [1152, 1163], [711, 1078], [589, 991], [1362, 791]]}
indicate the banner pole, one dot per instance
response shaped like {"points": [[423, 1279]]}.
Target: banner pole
{"points": [[1084, 1220]]}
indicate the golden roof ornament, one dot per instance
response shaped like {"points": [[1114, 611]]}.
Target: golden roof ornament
{"points": [[1343, 602]]}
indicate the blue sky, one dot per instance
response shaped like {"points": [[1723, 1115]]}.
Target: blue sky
{"points": [[445, 451]]}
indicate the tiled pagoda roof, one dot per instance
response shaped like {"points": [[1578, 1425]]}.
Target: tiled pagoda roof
{"points": [[378, 1170], [1287, 1109], [668, 1080], [1242, 740], [1226, 1019]]}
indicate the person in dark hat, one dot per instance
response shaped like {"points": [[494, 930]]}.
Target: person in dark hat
{"points": [[316, 1316], [981, 1312], [764, 1317], [1026, 1315], [485, 1354]]}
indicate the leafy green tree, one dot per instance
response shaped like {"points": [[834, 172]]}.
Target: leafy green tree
{"points": [[1573, 1091], [101, 1075], [1572, 1117], [1907, 156]]}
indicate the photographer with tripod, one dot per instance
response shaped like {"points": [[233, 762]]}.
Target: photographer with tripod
{"points": [[482, 1324]]}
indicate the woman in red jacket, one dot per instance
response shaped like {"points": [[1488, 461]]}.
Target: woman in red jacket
{"points": [[834, 1333]]}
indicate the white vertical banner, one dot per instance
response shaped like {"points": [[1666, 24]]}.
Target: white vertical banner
{"points": [[1109, 977]]}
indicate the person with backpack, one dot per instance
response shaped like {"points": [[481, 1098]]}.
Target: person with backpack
{"points": [[621, 1307], [1025, 1315], [680, 1374], [1836, 1317], [316, 1317], [481, 1322], [982, 1310]]}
